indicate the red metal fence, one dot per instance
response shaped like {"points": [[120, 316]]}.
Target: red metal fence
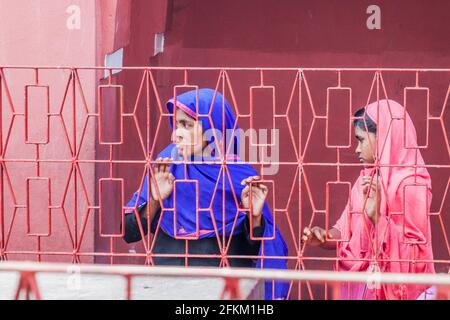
{"points": [[77, 142], [28, 286]]}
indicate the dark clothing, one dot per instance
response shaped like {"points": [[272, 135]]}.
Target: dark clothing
{"points": [[241, 244]]}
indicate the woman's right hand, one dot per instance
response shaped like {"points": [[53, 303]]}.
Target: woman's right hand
{"points": [[163, 179], [315, 236]]}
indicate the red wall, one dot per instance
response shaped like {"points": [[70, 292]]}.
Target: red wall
{"points": [[295, 34], [251, 33], [35, 33]]}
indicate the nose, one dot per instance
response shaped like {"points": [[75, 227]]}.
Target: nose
{"points": [[358, 150], [177, 136]]}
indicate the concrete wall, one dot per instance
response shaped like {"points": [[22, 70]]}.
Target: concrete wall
{"points": [[263, 33], [43, 33]]}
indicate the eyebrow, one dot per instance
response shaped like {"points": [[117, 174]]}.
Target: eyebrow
{"points": [[185, 121]]}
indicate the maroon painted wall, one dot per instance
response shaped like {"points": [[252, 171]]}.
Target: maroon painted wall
{"points": [[267, 33]]}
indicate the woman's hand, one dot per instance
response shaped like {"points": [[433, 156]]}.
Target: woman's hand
{"points": [[162, 178], [373, 199], [258, 197], [315, 236]]}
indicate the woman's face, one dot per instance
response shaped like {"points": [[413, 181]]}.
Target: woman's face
{"points": [[366, 145], [188, 135]]}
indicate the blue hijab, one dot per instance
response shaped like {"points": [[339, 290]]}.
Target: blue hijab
{"points": [[214, 182]]}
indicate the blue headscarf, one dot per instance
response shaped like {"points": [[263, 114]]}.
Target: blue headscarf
{"points": [[213, 180]]}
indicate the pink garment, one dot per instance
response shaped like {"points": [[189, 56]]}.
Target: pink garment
{"points": [[403, 230]]}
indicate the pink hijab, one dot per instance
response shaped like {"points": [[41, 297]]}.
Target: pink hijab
{"points": [[403, 230]]}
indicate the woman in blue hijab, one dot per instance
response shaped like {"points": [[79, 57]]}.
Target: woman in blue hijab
{"points": [[204, 200]]}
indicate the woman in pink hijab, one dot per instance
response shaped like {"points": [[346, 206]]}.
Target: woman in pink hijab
{"points": [[385, 224]]}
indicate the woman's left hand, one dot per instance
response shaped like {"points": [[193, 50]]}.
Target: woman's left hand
{"points": [[258, 196], [373, 199]]}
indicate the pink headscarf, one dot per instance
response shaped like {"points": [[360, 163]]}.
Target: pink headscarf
{"points": [[403, 230]]}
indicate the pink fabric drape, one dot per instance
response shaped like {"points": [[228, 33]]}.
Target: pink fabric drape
{"points": [[403, 230]]}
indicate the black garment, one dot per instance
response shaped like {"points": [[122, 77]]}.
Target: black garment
{"points": [[241, 244]]}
